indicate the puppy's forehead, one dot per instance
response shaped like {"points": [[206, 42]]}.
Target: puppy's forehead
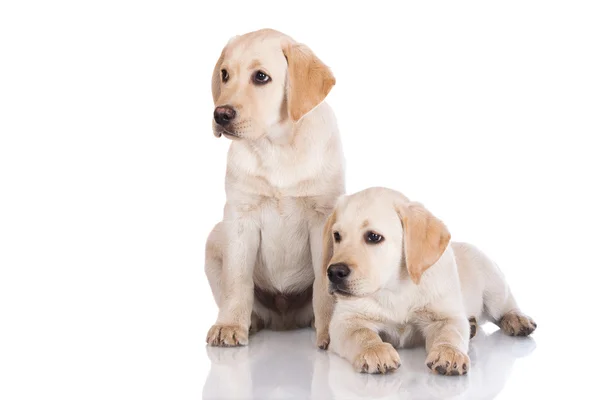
{"points": [[366, 208], [244, 48], [255, 47]]}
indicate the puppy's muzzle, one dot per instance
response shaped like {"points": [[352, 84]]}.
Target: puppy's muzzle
{"points": [[337, 273]]}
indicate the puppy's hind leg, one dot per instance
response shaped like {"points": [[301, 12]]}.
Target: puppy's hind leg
{"points": [[499, 302], [515, 323]]}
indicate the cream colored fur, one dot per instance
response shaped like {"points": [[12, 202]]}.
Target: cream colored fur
{"points": [[413, 287], [285, 169]]}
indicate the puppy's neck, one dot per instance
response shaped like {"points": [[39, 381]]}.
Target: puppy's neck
{"points": [[282, 133], [286, 132]]}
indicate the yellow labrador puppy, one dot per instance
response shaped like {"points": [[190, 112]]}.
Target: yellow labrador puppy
{"points": [[285, 169], [399, 282]]}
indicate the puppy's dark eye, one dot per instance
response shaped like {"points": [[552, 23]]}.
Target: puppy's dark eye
{"points": [[261, 78], [224, 75], [372, 237], [337, 237]]}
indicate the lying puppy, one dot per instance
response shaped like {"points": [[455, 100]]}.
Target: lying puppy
{"points": [[284, 173], [399, 282]]}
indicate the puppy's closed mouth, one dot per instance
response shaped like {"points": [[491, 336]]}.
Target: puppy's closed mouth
{"points": [[337, 289], [231, 135], [222, 131]]}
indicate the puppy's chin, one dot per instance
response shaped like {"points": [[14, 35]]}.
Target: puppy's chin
{"points": [[219, 131], [232, 136], [338, 290]]}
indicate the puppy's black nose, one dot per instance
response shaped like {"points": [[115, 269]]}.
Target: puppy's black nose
{"points": [[224, 115], [338, 272]]}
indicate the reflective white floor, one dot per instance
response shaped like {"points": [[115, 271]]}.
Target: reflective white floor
{"points": [[286, 365]]}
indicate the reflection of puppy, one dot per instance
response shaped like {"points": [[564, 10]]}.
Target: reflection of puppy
{"points": [[273, 365], [494, 356], [397, 281], [285, 365]]}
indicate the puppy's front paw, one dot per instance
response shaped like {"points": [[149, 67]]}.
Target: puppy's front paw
{"points": [[448, 360], [378, 359], [227, 335], [323, 340], [517, 324]]}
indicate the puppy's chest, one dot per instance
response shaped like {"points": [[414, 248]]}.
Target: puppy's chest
{"points": [[280, 175], [284, 260], [284, 168], [389, 309]]}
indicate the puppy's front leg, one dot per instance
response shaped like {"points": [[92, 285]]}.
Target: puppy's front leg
{"points": [[237, 285], [357, 341], [447, 342], [323, 302]]}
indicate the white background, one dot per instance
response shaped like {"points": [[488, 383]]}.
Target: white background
{"points": [[111, 179]]}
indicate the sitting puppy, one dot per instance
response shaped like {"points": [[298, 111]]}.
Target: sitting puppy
{"points": [[399, 282], [285, 170]]}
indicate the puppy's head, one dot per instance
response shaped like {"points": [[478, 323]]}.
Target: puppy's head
{"points": [[377, 235], [263, 82]]}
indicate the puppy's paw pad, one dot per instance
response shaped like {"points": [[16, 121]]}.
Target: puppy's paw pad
{"points": [[447, 360], [227, 335], [378, 359], [517, 324]]}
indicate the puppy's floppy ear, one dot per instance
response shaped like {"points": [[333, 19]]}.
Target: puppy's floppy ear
{"points": [[216, 76], [216, 79], [328, 242], [425, 238], [310, 80]]}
